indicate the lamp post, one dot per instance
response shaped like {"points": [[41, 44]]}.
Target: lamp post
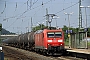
{"points": [[69, 26], [86, 23]]}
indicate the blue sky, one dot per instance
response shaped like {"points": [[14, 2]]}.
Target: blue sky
{"points": [[15, 16]]}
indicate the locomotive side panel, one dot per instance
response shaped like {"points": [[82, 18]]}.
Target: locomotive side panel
{"points": [[39, 40]]}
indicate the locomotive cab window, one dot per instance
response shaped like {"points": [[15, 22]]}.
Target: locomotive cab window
{"points": [[50, 34], [54, 34], [58, 34]]}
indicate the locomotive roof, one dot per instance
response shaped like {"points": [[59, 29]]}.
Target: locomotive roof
{"points": [[39, 31]]}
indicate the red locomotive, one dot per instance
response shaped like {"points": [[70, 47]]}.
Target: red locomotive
{"points": [[45, 41], [50, 41]]}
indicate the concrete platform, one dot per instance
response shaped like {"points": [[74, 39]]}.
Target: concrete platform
{"points": [[84, 51]]}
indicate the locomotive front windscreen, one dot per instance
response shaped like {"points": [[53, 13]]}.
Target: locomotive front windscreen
{"points": [[54, 34]]}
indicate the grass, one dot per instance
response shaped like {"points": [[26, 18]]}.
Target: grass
{"points": [[88, 43], [67, 42]]}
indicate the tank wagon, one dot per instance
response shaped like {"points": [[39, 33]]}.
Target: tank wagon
{"points": [[45, 41]]}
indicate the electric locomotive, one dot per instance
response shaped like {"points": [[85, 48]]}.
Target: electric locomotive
{"points": [[49, 41]]}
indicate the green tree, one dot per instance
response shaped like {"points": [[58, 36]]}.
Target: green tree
{"points": [[40, 27], [65, 34], [88, 32]]}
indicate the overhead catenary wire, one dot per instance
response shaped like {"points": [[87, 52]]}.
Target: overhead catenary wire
{"points": [[29, 9], [4, 8], [24, 13], [37, 7], [62, 9], [67, 7], [33, 8], [15, 10], [21, 14]]}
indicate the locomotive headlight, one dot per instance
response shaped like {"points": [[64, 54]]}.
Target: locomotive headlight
{"points": [[49, 40], [60, 40]]}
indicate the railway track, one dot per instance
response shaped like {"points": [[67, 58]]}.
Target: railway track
{"points": [[15, 54], [20, 54]]}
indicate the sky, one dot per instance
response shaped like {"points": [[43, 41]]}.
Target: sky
{"points": [[15, 15]]}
